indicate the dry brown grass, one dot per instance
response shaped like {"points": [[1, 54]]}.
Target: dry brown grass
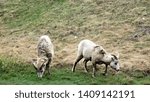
{"points": [[24, 47]]}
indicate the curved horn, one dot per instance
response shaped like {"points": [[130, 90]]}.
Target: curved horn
{"points": [[34, 62], [117, 54]]}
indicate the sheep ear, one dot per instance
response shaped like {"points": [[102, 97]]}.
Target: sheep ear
{"points": [[34, 61], [117, 54]]}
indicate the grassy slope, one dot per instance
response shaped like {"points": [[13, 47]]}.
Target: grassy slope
{"points": [[111, 21]]}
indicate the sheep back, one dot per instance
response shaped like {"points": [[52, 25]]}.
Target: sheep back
{"points": [[45, 47]]}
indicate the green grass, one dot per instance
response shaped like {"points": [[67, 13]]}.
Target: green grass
{"points": [[58, 15], [29, 13], [18, 73]]}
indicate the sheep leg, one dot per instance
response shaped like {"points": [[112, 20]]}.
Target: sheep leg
{"points": [[105, 70], [94, 70], [49, 70], [77, 60], [48, 67], [85, 65]]}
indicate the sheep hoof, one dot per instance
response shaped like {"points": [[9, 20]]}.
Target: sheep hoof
{"points": [[93, 76], [86, 71], [73, 70], [105, 74]]}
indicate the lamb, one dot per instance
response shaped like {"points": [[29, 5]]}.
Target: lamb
{"points": [[97, 55], [45, 54]]}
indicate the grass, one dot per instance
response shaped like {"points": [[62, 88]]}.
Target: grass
{"points": [[17, 73], [55, 14], [142, 45]]}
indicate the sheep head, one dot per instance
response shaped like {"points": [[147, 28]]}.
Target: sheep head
{"points": [[40, 65], [115, 62]]}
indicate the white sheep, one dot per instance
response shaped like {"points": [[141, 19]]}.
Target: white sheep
{"points": [[97, 54], [45, 54]]}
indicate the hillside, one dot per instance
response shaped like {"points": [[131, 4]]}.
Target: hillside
{"points": [[118, 25]]}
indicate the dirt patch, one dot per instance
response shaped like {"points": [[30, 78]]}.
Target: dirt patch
{"points": [[140, 32]]}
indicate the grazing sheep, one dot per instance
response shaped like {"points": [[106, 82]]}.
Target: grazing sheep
{"points": [[95, 53], [45, 55]]}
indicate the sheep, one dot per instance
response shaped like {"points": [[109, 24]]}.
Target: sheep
{"points": [[45, 55], [97, 55]]}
